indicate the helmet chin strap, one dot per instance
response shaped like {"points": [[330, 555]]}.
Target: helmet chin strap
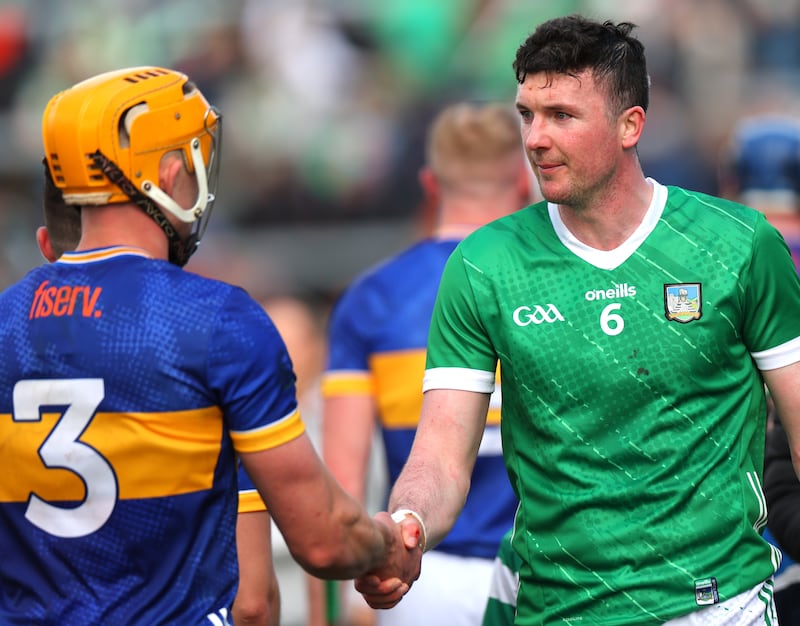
{"points": [[179, 250]]}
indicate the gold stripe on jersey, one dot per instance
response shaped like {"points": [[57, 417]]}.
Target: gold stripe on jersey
{"points": [[250, 502], [276, 433], [396, 385], [152, 454], [346, 383], [398, 388]]}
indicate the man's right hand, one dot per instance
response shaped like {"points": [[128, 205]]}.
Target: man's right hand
{"points": [[385, 586]]}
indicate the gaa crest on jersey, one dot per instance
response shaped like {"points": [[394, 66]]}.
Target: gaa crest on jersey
{"points": [[683, 302]]}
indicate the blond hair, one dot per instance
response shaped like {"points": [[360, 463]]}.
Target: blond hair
{"points": [[473, 143]]}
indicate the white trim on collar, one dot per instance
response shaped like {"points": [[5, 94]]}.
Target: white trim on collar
{"points": [[101, 254], [611, 259]]}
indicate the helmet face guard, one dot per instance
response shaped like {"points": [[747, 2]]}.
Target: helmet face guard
{"points": [[207, 180], [105, 137]]}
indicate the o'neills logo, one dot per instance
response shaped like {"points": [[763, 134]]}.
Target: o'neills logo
{"points": [[620, 291]]}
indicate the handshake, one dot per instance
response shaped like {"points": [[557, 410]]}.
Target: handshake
{"points": [[405, 536]]}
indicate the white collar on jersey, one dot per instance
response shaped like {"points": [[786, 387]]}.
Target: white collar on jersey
{"points": [[611, 259]]}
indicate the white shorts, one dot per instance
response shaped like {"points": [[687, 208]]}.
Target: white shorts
{"points": [[754, 607], [451, 590]]}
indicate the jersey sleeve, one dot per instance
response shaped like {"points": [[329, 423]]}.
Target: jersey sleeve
{"points": [[250, 500], [771, 301], [348, 371], [460, 354], [252, 375]]}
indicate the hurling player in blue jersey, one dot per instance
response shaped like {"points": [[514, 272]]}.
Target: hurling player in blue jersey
{"points": [[762, 169], [257, 601], [129, 388], [475, 172]]}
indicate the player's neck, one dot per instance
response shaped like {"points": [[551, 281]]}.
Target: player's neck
{"points": [[609, 219], [459, 219], [121, 225], [454, 231]]}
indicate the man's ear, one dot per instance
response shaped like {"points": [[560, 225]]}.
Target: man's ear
{"points": [[168, 172], [632, 125], [45, 247]]}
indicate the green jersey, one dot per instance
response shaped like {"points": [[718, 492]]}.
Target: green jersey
{"points": [[633, 408]]}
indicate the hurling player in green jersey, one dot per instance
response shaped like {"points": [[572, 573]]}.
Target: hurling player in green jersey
{"points": [[635, 326]]}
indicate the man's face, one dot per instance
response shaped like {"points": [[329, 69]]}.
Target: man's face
{"points": [[571, 141]]}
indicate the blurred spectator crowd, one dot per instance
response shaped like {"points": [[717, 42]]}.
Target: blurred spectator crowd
{"points": [[325, 103]]}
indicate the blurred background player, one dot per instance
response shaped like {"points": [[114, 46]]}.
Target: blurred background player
{"points": [[130, 386], [475, 172], [301, 323], [258, 596], [762, 169]]}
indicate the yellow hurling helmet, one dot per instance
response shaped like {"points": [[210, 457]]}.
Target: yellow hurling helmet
{"points": [[105, 136]]}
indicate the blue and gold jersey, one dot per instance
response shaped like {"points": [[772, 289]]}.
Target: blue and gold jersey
{"points": [[377, 336], [127, 386]]}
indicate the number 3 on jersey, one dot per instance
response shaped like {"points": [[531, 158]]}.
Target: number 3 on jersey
{"points": [[63, 449]]}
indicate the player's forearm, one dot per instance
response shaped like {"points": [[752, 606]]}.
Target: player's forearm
{"points": [[434, 493], [348, 473], [436, 477], [347, 435], [351, 542], [327, 531]]}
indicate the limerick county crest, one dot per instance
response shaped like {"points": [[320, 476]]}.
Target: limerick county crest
{"points": [[682, 302]]}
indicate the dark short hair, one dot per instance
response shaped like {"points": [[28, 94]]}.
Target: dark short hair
{"points": [[573, 44], [63, 221]]}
